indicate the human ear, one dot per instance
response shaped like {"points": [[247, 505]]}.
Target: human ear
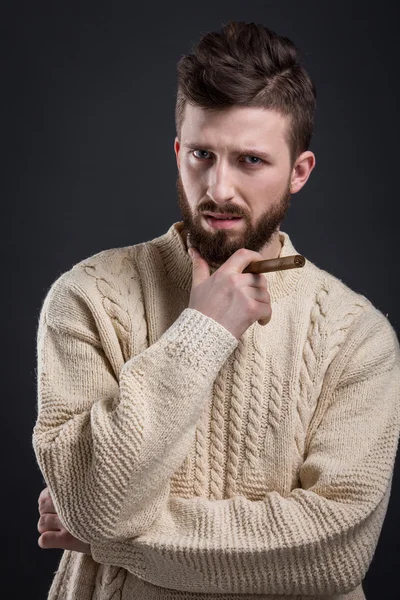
{"points": [[302, 171]]}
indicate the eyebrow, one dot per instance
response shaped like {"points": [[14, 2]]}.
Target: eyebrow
{"points": [[245, 151]]}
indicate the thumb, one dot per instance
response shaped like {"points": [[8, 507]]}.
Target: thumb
{"points": [[201, 268]]}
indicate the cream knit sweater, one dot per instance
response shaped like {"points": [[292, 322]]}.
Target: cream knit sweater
{"points": [[196, 464]]}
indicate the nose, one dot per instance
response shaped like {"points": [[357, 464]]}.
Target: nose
{"points": [[220, 184]]}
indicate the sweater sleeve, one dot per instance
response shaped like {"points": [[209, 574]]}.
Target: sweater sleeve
{"points": [[107, 444], [321, 538]]}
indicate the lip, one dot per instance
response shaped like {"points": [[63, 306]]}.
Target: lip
{"points": [[220, 215], [222, 224]]}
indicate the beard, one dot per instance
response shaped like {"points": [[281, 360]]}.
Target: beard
{"points": [[218, 245]]}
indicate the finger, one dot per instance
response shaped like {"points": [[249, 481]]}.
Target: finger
{"points": [[45, 504], [50, 539], [256, 280], [239, 260], [44, 493], [63, 540], [49, 522], [58, 539], [260, 293]]}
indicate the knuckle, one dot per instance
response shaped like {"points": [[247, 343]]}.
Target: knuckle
{"points": [[232, 278], [264, 291], [42, 493], [252, 306], [45, 502], [41, 522]]}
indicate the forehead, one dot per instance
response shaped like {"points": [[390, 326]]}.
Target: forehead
{"points": [[236, 126]]}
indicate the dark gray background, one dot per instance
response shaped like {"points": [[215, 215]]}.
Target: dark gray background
{"points": [[88, 97]]}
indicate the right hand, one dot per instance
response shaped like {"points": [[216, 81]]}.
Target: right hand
{"points": [[234, 299]]}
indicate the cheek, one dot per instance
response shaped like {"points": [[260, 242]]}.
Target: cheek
{"points": [[260, 187], [193, 183], [274, 183], [192, 173]]}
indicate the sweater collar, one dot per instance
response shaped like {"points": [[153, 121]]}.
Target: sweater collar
{"points": [[178, 264]]}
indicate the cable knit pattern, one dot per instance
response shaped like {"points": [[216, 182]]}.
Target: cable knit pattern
{"points": [[274, 408], [314, 357], [235, 419], [217, 441], [254, 415], [200, 482], [117, 302], [113, 305], [308, 367], [197, 464]]}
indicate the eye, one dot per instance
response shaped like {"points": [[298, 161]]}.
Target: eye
{"points": [[193, 152], [256, 157]]}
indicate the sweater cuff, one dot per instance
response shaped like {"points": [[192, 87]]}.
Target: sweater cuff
{"points": [[119, 553], [199, 341]]}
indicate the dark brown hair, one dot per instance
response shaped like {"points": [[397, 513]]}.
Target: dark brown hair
{"points": [[247, 64]]}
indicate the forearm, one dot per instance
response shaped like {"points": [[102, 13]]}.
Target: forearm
{"points": [[108, 463], [244, 549]]}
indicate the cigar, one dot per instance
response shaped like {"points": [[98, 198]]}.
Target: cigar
{"points": [[276, 264]]}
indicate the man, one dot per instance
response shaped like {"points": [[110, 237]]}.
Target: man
{"points": [[207, 431]]}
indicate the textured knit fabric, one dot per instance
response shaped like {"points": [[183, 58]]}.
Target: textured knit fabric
{"points": [[200, 466]]}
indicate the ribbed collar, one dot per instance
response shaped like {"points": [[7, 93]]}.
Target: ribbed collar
{"points": [[178, 264]]}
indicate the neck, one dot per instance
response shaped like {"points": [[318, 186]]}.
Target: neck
{"points": [[273, 248]]}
